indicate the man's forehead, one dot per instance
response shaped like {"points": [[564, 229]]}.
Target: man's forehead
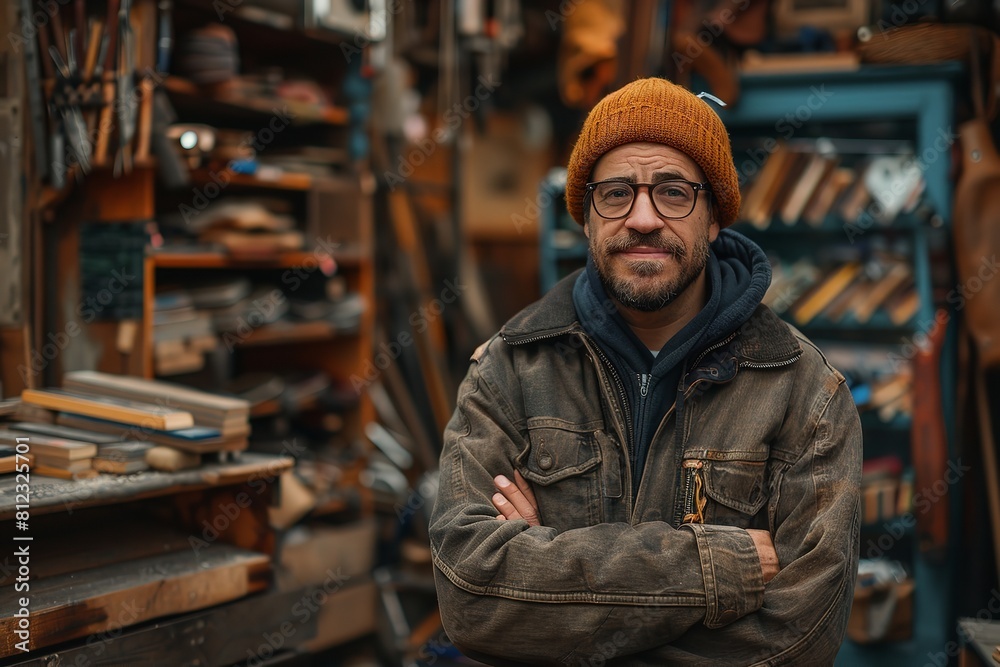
{"points": [[647, 155]]}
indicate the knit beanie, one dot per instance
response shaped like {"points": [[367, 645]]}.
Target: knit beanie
{"points": [[662, 112]]}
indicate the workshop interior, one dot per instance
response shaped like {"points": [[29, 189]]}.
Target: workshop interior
{"points": [[249, 247]]}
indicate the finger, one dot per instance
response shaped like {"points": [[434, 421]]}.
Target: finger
{"points": [[506, 509], [514, 496], [525, 487]]}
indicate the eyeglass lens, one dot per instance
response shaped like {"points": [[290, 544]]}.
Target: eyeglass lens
{"points": [[672, 199]]}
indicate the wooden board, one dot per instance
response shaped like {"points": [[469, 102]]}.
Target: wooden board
{"points": [[348, 549], [346, 614], [94, 544], [15, 362], [147, 415], [199, 403], [217, 636], [76, 605], [55, 495]]}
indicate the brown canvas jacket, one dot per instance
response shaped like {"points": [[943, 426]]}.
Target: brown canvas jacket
{"points": [[769, 437]]}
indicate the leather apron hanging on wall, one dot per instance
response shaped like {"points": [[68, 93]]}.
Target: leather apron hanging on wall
{"points": [[976, 235]]}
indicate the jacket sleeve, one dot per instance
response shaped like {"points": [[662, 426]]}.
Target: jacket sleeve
{"points": [[530, 595], [815, 516]]}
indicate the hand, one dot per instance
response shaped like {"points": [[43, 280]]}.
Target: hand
{"points": [[765, 551], [515, 500]]}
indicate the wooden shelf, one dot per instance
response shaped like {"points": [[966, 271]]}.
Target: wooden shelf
{"points": [[270, 27], [49, 494], [190, 98], [70, 606], [281, 333], [223, 632], [287, 181], [219, 260]]}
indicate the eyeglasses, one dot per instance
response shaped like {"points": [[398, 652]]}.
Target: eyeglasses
{"points": [[672, 199]]}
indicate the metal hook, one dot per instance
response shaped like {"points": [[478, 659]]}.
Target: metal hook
{"points": [[711, 97]]}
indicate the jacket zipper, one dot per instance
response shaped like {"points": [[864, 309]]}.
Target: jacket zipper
{"points": [[712, 348], [763, 365], [643, 383], [622, 396], [694, 497], [640, 409]]}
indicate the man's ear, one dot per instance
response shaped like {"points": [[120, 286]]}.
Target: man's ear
{"points": [[713, 224]]}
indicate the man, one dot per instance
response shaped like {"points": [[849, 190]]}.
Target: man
{"points": [[647, 466]]}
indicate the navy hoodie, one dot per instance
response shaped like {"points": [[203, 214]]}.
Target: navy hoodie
{"points": [[738, 274]]}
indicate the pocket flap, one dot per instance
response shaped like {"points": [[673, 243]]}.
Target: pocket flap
{"points": [[555, 454], [736, 484]]}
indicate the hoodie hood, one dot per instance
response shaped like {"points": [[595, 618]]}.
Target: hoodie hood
{"points": [[738, 275]]}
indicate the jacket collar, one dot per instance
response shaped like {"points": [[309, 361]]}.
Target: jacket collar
{"points": [[552, 315], [765, 339]]}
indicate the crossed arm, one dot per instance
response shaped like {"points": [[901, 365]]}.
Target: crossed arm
{"points": [[515, 500]]}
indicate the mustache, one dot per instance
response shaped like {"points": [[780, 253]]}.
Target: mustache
{"points": [[653, 240]]}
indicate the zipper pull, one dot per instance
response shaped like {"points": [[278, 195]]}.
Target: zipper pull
{"points": [[696, 501], [643, 384]]}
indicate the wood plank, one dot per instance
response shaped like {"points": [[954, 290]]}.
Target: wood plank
{"points": [[293, 181], [126, 198], [200, 403], [348, 613], [95, 544], [54, 495], [347, 549], [15, 365], [74, 605], [218, 260], [217, 636], [137, 413]]}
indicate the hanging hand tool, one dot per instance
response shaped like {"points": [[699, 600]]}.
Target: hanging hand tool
{"points": [[93, 69], [80, 18], [35, 104], [165, 41], [66, 99], [95, 49], [126, 84]]}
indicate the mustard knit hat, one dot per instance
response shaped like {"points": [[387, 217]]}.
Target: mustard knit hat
{"points": [[659, 111]]}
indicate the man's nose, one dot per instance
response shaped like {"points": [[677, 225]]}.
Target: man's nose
{"points": [[644, 218]]}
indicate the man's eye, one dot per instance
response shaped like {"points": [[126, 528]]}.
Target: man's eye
{"points": [[673, 192], [618, 193]]}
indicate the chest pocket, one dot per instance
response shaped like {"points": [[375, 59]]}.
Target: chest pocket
{"points": [[735, 490], [562, 463]]}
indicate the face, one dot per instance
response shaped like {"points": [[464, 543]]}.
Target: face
{"points": [[645, 260]]}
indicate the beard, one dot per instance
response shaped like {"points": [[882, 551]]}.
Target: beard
{"points": [[633, 287]]}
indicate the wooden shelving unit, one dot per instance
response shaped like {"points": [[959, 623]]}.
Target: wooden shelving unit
{"points": [[110, 543], [217, 602]]}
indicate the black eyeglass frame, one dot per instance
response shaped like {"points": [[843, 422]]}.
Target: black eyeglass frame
{"points": [[697, 187]]}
